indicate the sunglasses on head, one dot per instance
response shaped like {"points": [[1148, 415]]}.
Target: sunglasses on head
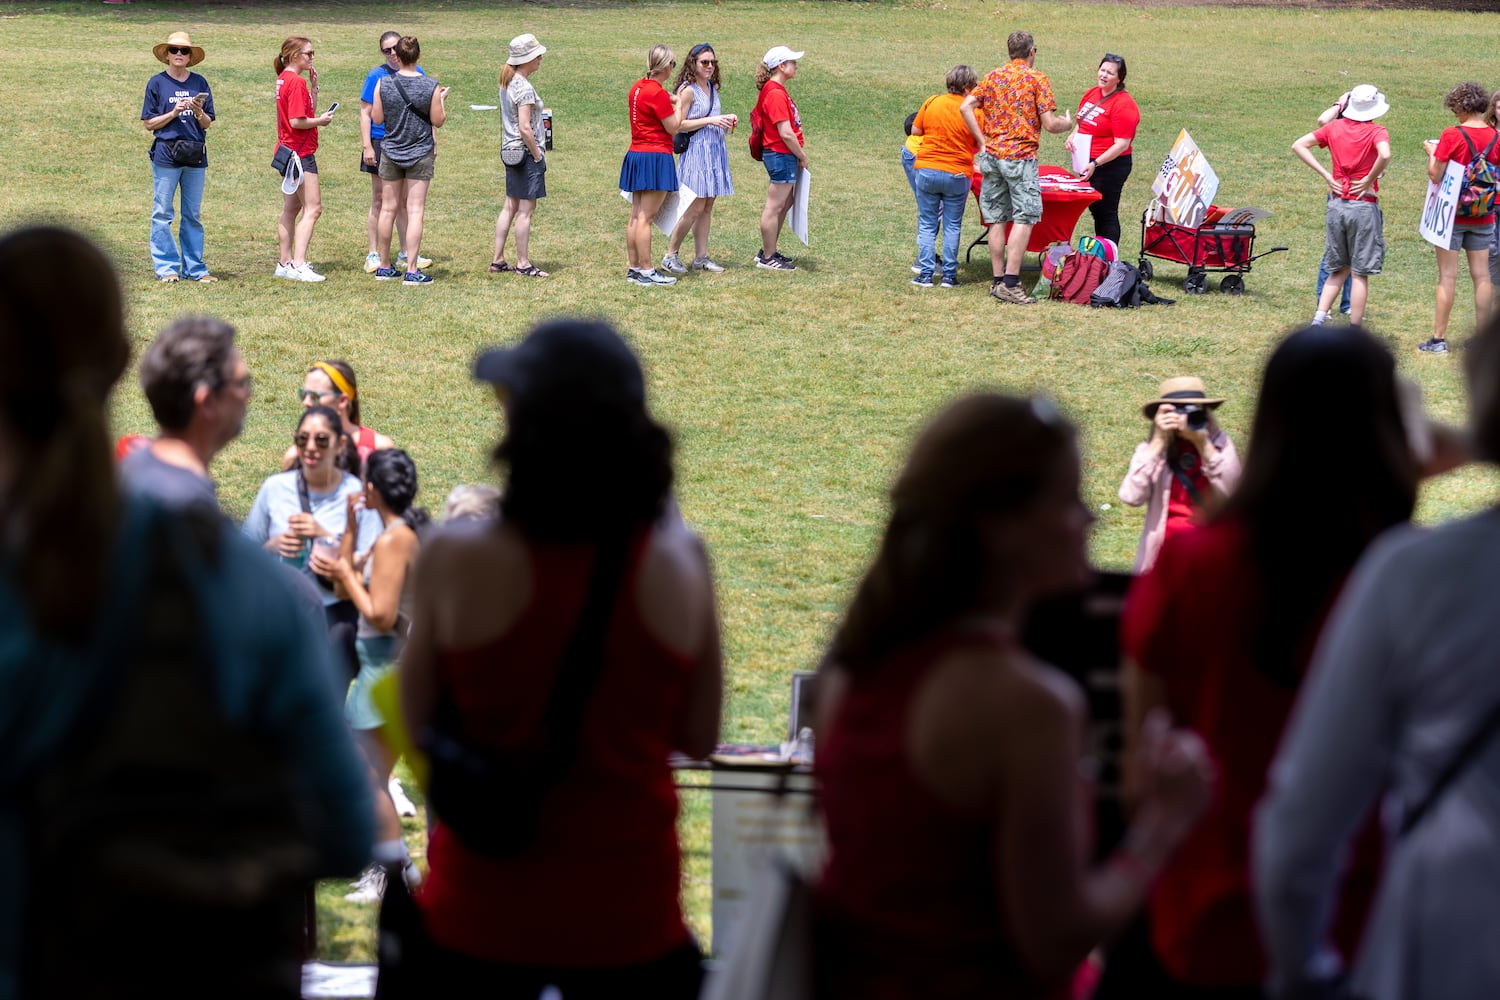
{"points": [[174, 50], [322, 440]]}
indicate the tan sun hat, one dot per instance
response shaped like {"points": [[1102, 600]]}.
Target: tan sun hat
{"points": [[523, 49], [1180, 389], [178, 40]]}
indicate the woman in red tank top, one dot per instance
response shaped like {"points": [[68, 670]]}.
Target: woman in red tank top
{"points": [[950, 759], [590, 903]]}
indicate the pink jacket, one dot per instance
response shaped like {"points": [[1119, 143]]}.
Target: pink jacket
{"points": [[1147, 482]]}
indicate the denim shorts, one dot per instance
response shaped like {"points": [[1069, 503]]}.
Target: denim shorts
{"points": [[783, 167], [1472, 237]]}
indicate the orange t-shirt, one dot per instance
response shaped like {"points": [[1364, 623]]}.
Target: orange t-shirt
{"points": [[1011, 102], [947, 144]]}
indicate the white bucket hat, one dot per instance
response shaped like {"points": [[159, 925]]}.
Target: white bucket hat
{"points": [[524, 48], [1365, 104], [780, 54]]}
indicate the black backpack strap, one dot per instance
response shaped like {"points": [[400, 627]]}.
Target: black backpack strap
{"points": [[1476, 742], [396, 79]]}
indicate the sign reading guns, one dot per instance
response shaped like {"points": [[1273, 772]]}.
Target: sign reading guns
{"points": [[1441, 206]]}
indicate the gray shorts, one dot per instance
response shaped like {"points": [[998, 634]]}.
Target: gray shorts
{"points": [[1472, 237], [1011, 191], [422, 170], [1354, 236]]}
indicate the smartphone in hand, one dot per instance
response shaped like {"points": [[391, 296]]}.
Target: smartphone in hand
{"points": [[332, 108]]}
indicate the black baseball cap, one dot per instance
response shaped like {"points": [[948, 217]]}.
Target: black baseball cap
{"points": [[572, 358]]}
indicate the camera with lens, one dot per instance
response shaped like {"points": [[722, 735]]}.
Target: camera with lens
{"points": [[1195, 417]]}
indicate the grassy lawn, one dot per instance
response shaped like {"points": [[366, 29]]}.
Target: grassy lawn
{"points": [[792, 395]]}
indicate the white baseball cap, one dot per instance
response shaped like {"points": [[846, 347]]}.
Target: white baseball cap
{"points": [[779, 55]]}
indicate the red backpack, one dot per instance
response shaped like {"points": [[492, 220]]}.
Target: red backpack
{"points": [[757, 142], [1078, 275]]}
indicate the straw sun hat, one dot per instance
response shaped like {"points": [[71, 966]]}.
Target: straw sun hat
{"points": [[1178, 390], [178, 40]]}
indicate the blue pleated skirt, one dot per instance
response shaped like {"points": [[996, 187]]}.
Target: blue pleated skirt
{"points": [[648, 172]]}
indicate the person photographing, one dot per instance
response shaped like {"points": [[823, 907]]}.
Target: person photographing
{"points": [[1186, 465]]}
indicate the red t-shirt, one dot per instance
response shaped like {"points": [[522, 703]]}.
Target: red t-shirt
{"points": [[294, 101], [600, 885], [1451, 146], [649, 105], [1351, 145], [1188, 622], [1105, 119], [776, 105]]}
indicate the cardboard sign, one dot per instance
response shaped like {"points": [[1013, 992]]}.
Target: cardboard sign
{"points": [[1185, 186], [1441, 206]]}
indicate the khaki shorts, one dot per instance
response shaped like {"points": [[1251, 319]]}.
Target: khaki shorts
{"points": [[422, 170], [1011, 191]]}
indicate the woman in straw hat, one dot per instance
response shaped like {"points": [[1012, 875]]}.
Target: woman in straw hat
{"points": [[526, 179], [177, 111], [1186, 465]]}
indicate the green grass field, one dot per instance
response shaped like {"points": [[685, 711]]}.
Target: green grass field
{"points": [[792, 395]]}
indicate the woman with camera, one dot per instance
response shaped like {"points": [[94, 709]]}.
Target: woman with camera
{"points": [[1185, 466]]}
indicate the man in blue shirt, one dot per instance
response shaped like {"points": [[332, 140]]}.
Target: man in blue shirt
{"points": [[178, 110]]}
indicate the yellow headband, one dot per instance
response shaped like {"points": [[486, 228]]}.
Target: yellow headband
{"points": [[336, 377]]}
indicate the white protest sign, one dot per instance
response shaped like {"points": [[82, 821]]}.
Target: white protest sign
{"points": [[672, 207], [797, 217], [1442, 205], [1185, 186]]}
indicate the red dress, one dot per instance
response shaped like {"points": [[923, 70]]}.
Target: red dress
{"points": [[907, 905], [600, 886], [1187, 623]]}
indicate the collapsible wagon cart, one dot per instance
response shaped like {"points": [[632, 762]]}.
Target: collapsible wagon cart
{"points": [[1229, 250]]}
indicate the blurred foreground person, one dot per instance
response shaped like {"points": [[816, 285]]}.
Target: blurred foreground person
{"points": [[951, 760], [556, 658], [173, 764], [1401, 700], [1219, 634]]}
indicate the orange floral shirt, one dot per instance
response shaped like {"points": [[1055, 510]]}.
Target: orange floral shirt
{"points": [[1010, 104]]}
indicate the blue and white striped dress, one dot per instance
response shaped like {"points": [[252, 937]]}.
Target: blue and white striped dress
{"points": [[705, 165]]}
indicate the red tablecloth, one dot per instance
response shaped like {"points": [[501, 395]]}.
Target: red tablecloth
{"points": [[1060, 210]]}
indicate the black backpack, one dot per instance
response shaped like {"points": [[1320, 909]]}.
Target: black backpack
{"points": [[1123, 288]]}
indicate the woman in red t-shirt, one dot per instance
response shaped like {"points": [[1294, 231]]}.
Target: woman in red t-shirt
{"points": [[1107, 120], [784, 151], [297, 124], [649, 171], [1469, 103]]}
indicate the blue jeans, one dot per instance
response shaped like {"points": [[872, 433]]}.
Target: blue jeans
{"points": [[941, 197], [909, 164], [165, 258]]}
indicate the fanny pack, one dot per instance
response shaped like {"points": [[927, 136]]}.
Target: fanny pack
{"points": [[185, 152], [281, 159]]}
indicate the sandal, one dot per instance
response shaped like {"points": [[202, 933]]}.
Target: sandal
{"points": [[168, 279], [531, 271], [499, 267]]}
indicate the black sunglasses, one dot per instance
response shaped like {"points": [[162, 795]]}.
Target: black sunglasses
{"points": [[389, 50], [174, 50], [301, 438]]}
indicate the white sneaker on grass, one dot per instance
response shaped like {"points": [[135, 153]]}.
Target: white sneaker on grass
{"points": [[655, 277], [404, 805], [673, 263], [421, 261], [303, 272], [283, 270], [707, 264], [372, 261], [369, 888]]}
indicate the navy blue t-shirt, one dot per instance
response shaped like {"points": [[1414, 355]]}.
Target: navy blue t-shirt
{"points": [[161, 93]]}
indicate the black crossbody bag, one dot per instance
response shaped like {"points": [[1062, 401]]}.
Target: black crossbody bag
{"points": [[492, 799]]}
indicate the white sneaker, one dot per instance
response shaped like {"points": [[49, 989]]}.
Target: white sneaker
{"points": [[707, 264], [655, 277], [421, 261], [283, 270], [303, 273], [372, 261], [673, 263], [404, 805], [369, 888]]}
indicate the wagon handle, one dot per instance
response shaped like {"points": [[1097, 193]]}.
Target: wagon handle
{"points": [[1267, 253]]}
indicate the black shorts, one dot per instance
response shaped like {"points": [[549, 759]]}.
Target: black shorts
{"points": [[374, 143], [309, 165]]}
